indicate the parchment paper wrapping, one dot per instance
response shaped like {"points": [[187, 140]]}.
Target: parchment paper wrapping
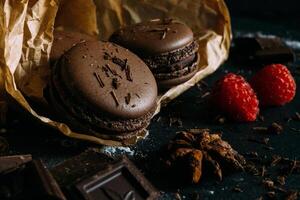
{"points": [[26, 38]]}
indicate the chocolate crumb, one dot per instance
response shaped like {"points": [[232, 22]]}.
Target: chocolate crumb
{"points": [[133, 106], [177, 196], [113, 94], [237, 189], [263, 171], [275, 128], [106, 56], [220, 119], [264, 141], [261, 118], [294, 129], [296, 117], [101, 83], [293, 195], [84, 56], [115, 83], [105, 70], [280, 180], [271, 195], [294, 164], [259, 128], [268, 148], [206, 94], [275, 160], [127, 98]]}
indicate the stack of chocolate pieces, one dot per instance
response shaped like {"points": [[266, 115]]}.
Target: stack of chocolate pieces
{"points": [[90, 175], [24, 178]]}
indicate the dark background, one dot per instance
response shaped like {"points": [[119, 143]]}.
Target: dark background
{"points": [[267, 9], [281, 18]]}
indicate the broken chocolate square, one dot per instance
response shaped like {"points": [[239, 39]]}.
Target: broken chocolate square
{"points": [[79, 167], [261, 50], [121, 180]]}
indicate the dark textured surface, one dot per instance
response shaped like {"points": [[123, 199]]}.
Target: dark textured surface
{"points": [[53, 148]]}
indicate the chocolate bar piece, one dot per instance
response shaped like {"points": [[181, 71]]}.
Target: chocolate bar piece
{"points": [[79, 167], [261, 50], [11, 163], [121, 181], [25, 179], [40, 184]]}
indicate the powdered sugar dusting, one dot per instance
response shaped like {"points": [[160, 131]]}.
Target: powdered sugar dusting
{"points": [[114, 151]]}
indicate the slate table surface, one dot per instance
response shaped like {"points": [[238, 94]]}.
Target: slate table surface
{"points": [[47, 144]]}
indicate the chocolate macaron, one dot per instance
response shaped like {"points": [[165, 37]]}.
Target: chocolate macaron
{"points": [[167, 46], [65, 40], [103, 89]]}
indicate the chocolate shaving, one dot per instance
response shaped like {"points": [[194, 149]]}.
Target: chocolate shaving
{"points": [[113, 94], [127, 98], [163, 36], [275, 128], [106, 56], [120, 62], [99, 79], [138, 96], [156, 30], [294, 164], [296, 117], [263, 171], [128, 73], [112, 71], [264, 141], [280, 180], [237, 189], [105, 70], [115, 83]]}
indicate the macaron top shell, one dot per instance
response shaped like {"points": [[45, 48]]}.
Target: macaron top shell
{"points": [[109, 79], [154, 37], [65, 40]]}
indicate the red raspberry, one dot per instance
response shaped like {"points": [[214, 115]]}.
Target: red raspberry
{"points": [[274, 85], [234, 96]]}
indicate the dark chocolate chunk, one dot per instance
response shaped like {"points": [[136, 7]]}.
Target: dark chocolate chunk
{"points": [[25, 179], [121, 180], [10, 163], [261, 50], [79, 167], [40, 184]]}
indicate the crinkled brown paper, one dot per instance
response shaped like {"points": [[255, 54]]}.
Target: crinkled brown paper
{"points": [[26, 39]]}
